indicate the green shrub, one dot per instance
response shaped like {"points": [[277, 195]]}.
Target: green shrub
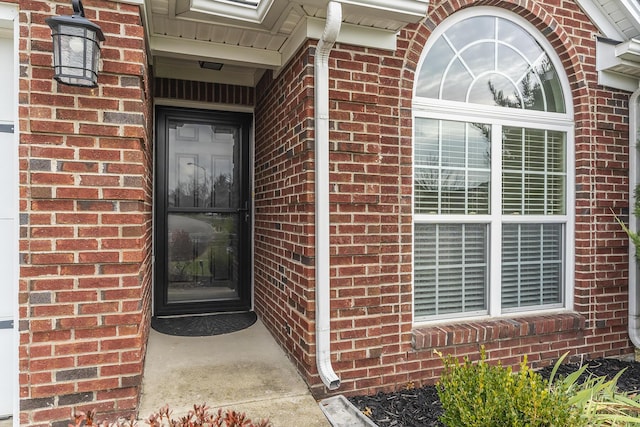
{"points": [[483, 395], [596, 399]]}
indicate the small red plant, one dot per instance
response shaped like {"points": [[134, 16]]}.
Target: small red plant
{"points": [[199, 416]]}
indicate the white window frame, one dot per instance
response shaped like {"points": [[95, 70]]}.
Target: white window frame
{"points": [[498, 117]]}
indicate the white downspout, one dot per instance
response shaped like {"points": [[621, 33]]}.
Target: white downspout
{"points": [[634, 163], [323, 300]]}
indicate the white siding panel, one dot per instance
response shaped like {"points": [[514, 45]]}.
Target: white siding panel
{"points": [[7, 361], [8, 264], [7, 90], [8, 160]]}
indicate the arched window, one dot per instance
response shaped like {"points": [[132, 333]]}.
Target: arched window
{"points": [[493, 171]]}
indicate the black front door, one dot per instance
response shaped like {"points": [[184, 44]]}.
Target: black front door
{"points": [[202, 216]]}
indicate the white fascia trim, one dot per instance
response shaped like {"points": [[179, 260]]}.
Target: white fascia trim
{"points": [[194, 50], [133, 2], [617, 81], [356, 35], [404, 10], [629, 51], [225, 9], [600, 19], [611, 55], [312, 28]]}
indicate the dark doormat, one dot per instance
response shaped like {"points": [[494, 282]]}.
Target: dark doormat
{"points": [[203, 325]]}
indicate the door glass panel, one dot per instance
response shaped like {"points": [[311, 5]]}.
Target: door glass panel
{"points": [[202, 251], [201, 166]]}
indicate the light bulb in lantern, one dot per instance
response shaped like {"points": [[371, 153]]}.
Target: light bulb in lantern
{"points": [[76, 44]]}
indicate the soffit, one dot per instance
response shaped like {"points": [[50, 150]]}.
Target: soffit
{"points": [[249, 40]]}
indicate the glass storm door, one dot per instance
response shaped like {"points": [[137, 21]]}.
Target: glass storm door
{"points": [[203, 261]]}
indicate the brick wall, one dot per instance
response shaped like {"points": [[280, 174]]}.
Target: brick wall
{"points": [[85, 212], [284, 206], [374, 344], [370, 177]]}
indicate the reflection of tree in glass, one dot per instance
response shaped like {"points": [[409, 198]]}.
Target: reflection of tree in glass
{"points": [[217, 260], [430, 179], [530, 96], [529, 92], [430, 182], [222, 191], [180, 254], [485, 130], [203, 193]]}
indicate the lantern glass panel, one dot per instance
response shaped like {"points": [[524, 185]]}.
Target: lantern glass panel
{"points": [[78, 55]]}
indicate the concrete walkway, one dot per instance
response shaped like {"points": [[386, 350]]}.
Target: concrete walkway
{"points": [[244, 371]]}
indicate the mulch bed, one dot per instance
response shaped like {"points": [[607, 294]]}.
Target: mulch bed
{"points": [[420, 407]]}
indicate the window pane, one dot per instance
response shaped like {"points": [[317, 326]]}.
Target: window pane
{"points": [[495, 89], [515, 36], [514, 65], [433, 69], [479, 146], [534, 172], [456, 82], [452, 167], [551, 86], [556, 151], [534, 198], [453, 144], [481, 57], [475, 29], [534, 148], [491, 61], [450, 268], [478, 192], [452, 187], [532, 273], [427, 143], [426, 190]]}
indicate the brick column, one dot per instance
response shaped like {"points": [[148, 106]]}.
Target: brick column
{"points": [[85, 212]]}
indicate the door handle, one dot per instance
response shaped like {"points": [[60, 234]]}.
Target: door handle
{"points": [[245, 210]]}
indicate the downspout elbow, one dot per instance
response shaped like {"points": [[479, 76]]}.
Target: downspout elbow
{"points": [[323, 301]]}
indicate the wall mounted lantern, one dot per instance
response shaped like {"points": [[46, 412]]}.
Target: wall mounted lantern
{"points": [[76, 50]]}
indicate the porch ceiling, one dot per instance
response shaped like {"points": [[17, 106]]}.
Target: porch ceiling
{"points": [[251, 38]]}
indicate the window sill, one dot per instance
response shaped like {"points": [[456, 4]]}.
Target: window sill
{"points": [[490, 330]]}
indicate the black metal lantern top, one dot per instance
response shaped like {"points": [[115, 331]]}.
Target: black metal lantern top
{"points": [[76, 50]]}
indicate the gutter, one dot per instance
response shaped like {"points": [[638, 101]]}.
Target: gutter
{"points": [[321, 119], [634, 163]]}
